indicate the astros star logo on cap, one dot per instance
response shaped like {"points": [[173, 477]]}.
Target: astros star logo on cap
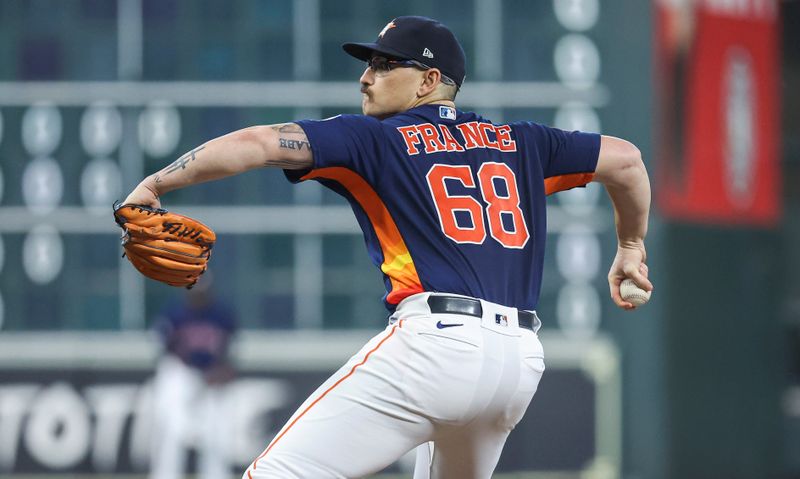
{"points": [[386, 28]]}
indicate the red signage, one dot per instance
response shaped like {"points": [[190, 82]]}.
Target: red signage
{"points": [[717, 130]]}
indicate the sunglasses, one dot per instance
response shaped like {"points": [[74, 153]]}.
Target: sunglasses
{"points": [[383, 65]]}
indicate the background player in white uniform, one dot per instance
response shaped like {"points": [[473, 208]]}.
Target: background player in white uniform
{"points": [[188, 386], [453, 212]]}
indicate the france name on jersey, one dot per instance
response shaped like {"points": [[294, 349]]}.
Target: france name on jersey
{"points": [[448, 201]]}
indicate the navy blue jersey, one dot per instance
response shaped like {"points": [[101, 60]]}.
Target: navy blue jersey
{"points": [[448, 201], [199, 334]]}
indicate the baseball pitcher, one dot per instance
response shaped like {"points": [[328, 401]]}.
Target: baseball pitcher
{"points": [[452, 207]]}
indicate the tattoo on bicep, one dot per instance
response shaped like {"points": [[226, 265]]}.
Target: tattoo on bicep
{"points": [[290, 144], [180, 163], [290, 137], [287, 128]]}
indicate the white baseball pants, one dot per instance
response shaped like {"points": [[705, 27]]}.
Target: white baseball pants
{"points": [[459, 381], [185, 404]]}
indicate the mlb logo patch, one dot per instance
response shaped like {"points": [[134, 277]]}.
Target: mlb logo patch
{"points": [[447, 112], [501, 319]]}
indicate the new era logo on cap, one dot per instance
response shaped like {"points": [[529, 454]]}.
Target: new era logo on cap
{"points": [[427, 53]]}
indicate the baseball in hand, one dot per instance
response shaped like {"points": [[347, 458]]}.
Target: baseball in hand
{"points": [[632, 293]]}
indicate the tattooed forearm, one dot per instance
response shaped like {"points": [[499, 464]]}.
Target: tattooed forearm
{"points": [[156, 178], [294, 144], [180, 163]]}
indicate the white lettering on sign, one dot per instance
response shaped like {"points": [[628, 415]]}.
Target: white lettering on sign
{"points": [[111, 404], [60, 427], [15, 399], [58, 430]]}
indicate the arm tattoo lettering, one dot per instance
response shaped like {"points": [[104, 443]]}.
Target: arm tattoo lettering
{"points": [[294, 144], [156, 178], [180, 163], [290, 137]]}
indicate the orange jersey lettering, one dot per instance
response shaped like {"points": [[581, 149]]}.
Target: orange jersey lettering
{"points": [[504, 138], [485, 128], [475, 134], [430, 138], [449, 139], [472, 135], [411, 137]]}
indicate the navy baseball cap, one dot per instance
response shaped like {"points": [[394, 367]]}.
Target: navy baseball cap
{"points": [[417, 38]]}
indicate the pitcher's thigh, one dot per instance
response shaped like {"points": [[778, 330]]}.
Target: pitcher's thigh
{"points": [[340, 441], [357, 423]]}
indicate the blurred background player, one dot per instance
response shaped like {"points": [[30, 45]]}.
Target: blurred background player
{"points": [[188, 388]]}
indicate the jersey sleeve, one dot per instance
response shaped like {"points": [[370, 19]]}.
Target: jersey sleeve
{"points": [[354, 142], [568, 158]]}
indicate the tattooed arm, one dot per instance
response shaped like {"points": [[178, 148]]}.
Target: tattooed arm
{"points": [[280, 146]]}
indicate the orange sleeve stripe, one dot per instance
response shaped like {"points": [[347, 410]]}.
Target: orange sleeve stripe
{"points": [[397, 263], [325, 393], [554, 184]]}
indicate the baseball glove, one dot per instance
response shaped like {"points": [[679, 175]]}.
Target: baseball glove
{"points": [[164, 246]]}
